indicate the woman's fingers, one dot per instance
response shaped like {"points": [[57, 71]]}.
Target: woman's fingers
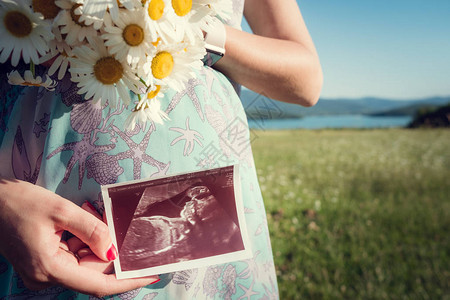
{"points": [[91, 281], [92, 262], [88, 228], [88, 259], [75, 244]]}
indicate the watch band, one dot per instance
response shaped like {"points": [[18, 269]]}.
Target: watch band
{"points": [[214, 43]]}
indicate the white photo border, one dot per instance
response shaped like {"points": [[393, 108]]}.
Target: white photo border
{"points": [[246, 253]]}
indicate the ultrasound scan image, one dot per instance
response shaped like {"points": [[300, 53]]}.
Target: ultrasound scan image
{"points": [[176, 222]]}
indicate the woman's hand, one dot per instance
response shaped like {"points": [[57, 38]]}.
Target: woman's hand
{"points": [[32, 220]]}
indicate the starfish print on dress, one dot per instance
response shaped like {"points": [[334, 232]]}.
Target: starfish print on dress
{"points": [[190, 91], [82, 150], [189, 136], [137, 152], [248, 292], [41, 127]]}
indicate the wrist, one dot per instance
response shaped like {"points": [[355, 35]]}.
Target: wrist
{"points": [[215, 39]]}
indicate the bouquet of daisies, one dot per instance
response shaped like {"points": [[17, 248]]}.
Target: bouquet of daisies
{"points": [[110, 47]]}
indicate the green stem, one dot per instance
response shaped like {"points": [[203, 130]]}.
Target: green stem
{"points": [[32, 69], [142, 80]]}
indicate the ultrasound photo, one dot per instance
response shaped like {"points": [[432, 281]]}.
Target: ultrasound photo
{"points": [[178, 222]]}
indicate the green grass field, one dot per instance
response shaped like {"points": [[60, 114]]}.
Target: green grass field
{"points": [[358, 214]]}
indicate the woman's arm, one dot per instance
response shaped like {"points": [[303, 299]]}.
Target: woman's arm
{"points": [[279, 60]]}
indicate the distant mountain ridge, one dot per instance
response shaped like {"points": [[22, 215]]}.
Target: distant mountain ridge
{"points": [[258, 106]]}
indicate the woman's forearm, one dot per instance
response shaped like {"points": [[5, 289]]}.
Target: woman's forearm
{"points": [[280, 69]]}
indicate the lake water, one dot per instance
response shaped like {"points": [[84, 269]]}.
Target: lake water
{"points": [[341, 121]]}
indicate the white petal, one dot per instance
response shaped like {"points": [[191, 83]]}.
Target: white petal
{"points": [[55, 65], [123, 93], [63, 69]]}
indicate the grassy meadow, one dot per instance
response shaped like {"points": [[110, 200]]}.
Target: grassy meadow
{"points": [[358, 214]]}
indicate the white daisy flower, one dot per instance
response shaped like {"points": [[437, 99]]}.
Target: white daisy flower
{"points": [[173, 65], [97, 9], [160, 19], [190, 20], [129, 38], [58, 55], [71, 25], [28, 79], [23, 34], [89, 20], [135, 117], [148, 109], [101, 76]]}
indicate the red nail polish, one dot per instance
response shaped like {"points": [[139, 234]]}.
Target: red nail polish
{"points": [[156, 281], [91, 206], [112, 253]]}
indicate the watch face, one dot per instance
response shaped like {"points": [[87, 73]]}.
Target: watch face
{"points": [[213, 54], [212, 57]]}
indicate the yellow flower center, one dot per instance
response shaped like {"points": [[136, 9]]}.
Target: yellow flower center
{"points": [[133, 35], [17, 24], [182, 7], [47, 8], [26, 83], [162, 65], [153, 93], [108, 70], [75, 17], [156, 9]]}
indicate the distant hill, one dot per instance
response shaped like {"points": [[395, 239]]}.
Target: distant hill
{"points": [[432, 118], [410, 110], [259, 106]]}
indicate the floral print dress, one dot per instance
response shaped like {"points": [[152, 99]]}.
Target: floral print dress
{"points": [[70, 146]]}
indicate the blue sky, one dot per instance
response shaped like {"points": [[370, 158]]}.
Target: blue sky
{"points": [[398, 49]]}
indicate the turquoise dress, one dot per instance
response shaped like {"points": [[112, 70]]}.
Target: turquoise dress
{"points": [[71, 146]]}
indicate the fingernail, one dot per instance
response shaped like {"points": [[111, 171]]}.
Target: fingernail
{"points": [[84, 252], [91, 206], [158, 280], [112, 253]]}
